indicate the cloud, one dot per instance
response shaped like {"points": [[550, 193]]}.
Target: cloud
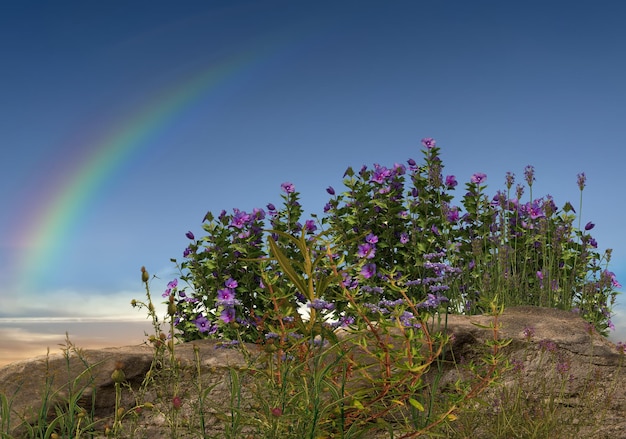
{"points": [[77, 304]]}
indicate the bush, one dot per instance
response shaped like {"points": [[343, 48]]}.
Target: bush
{"points": [[392, 238]]}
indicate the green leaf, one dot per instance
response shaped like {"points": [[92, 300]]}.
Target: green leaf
{"points": [[286, 266], [415, 403]]}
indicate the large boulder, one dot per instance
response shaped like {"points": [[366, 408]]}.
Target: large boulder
{"points": [[546, 346]]}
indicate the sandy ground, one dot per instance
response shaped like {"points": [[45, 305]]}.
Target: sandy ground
{"points": [[21, 339]]}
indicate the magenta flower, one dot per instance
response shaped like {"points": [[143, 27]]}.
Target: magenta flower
{"points": [[288, 187], [478, 178], [189, 235], [368, 270], [428, 142]]}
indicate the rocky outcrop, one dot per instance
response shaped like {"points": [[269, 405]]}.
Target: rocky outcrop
{"points": [[550, 351]]}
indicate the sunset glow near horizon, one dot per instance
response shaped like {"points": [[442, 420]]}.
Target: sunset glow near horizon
{"points": [[124, 123]]}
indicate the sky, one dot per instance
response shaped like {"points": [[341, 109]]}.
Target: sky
{"points": [[123, 123]]}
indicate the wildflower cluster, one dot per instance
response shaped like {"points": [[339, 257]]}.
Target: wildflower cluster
{"points": [[391, 239]]}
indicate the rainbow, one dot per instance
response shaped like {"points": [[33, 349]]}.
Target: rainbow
{"points": [[67, 202]]}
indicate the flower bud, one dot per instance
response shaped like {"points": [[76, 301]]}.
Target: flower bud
{"points": [[118, 376], [171, 309], [145, 277], [171, 306]]}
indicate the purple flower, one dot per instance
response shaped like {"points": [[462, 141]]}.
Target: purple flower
{"points": [[399, 169], [478, 178], [380, 174], [258, 213], [371, 238], [202, 323], [428, 142], [529, 174], [613, 278], [227, 315], [366, 250], [589, 226], [404, 237], [535, 210], [581, 180], [271, 207], [529, 332], [226, 297], [432, 301], [453, 215], [411, 162], [330, 190], [310, 226], [189, 235], [170, 286], [407, 319], [320, 304], [239, 219], [368, 270], [451, 181], [186, 252], [231, 283], [510, 179], [288, 187]]}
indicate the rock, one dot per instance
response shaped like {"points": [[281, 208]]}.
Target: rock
{"points": [[547, 347]]}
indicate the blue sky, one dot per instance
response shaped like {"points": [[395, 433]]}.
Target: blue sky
{"points": [[323, 85]]}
